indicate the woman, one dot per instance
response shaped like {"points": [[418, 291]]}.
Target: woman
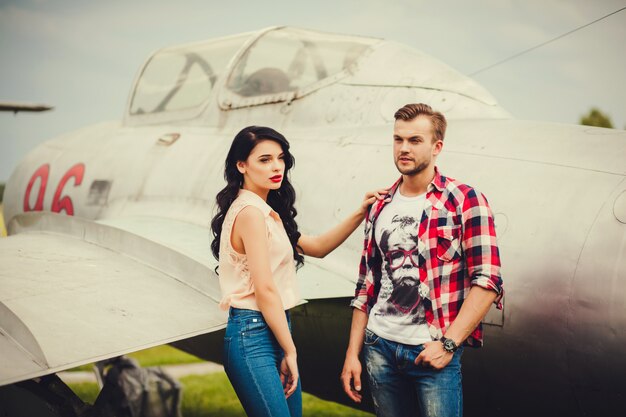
{"points": [[256, 240]]}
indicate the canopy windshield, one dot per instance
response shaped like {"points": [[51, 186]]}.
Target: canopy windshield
{"points": [[182, 78], [288, 63], [281, 64]]}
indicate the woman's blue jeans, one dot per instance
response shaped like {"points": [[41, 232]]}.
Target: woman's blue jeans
{"points": [[252, 359], [400, 388]]}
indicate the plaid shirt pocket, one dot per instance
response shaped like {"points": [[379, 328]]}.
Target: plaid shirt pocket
{"points": [[449, 243]]}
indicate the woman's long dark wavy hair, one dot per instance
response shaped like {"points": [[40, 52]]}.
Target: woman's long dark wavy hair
{"points": [[280, 200]]}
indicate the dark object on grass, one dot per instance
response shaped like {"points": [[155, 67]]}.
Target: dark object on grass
{"points": [[132, 391]]}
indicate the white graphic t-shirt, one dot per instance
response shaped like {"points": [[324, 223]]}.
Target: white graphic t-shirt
{"points": [[399, 313]]}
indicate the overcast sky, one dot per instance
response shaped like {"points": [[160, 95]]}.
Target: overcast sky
{"points": [[81, 57]]}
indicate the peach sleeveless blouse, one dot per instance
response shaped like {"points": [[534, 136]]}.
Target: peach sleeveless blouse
{"points": [[234, 276]]}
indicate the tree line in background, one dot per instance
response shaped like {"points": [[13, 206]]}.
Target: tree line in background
{"points": [[595, 117]]}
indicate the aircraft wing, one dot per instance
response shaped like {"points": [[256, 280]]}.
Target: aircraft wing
{"points": [[74, 291]]}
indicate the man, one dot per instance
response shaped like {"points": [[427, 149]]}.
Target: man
{"points": [[429, 272]]}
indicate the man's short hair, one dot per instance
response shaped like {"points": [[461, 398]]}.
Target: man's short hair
{"points": [[410, 111]]}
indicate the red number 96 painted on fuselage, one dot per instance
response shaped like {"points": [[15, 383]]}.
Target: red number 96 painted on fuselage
{"points": [[59, 202]]}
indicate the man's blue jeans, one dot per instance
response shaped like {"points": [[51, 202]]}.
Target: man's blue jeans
{"points": [[401, 388], [252, 359]]}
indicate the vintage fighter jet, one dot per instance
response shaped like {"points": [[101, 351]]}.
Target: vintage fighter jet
{"points": [[108, 250]]}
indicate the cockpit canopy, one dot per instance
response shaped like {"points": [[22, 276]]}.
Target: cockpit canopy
{"points": [[278, 64], [290, 63], [183, 77]]}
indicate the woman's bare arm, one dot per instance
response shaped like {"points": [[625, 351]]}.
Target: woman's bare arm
{"points": [[321, 245], [250, 227]]}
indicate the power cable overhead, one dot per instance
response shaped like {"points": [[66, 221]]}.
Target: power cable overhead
{"points": [[544, 43]]}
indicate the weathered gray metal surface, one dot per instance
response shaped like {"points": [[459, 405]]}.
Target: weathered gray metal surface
{"points": [[145, 189], [84, 292]]}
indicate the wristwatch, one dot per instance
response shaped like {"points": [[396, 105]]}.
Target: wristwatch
{"points": [[449, 345]]}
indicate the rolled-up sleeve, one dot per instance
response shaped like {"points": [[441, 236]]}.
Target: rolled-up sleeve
{"points": [[480, 246]]}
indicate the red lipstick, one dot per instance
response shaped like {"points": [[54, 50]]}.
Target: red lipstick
{"points": [[277, 178]]}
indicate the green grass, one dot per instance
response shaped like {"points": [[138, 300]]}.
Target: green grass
{"points": [[163, 355], [212, 395], [86, 391], [156, 356]]}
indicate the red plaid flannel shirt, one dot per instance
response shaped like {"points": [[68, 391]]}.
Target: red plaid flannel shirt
{"points": [[460, 251]]}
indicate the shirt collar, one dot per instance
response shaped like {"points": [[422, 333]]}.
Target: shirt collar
{"points": [[251, 194], [268, 210], [438, 182]]}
